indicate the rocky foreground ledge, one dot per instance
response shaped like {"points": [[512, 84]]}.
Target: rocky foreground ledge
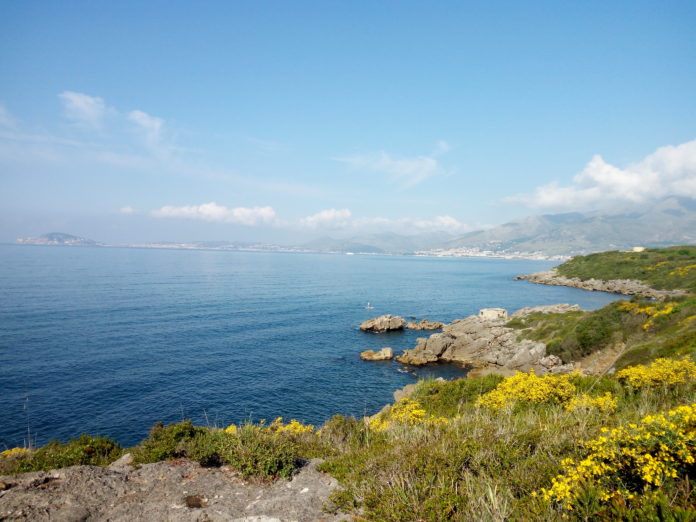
{"points": [[484, 342], [178, 490], [616, 286]]}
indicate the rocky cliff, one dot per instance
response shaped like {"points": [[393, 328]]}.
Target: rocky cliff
{"points": [[484, 342]]}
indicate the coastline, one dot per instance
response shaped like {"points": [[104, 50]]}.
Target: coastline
{"points": [[615, 286]]}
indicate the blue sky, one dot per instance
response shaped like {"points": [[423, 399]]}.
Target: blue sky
{"points": [[147, 121]]}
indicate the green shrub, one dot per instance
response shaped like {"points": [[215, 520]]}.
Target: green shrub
{"points": [[85, 450], [593, 332], [445, 399], [257, 452], [166, 442]]}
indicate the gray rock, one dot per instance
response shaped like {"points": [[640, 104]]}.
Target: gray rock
{"points": [[383, 323], [560, 308], [483, 341], [424, 324], [404, 392], [160, 491]]}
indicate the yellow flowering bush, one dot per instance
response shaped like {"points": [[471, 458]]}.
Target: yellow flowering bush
{"points": [[530, 388], [682, 270], [14, 452], [231, 429], [294, 427], [629, 462], [652, 311], [605, 403], [405, 412], [659, 372], [656, 265]]}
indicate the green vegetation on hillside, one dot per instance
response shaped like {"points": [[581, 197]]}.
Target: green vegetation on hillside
{"points": [[525, 447], [646, 330], [662, 268]]}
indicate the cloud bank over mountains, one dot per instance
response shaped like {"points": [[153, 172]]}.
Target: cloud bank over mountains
{"points": [[93, 134], [669, 171], [327, 219]]}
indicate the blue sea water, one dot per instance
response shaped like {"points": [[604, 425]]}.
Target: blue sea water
{"points": [[110, 340]]}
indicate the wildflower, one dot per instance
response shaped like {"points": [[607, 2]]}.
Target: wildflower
{"points": [[630, 462], [659, 372], [231, 429], [528, 387], [405, 412], [14, 452], [606, 403]]}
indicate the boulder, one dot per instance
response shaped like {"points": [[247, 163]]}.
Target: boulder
{"points": [[425, 324], [385, 354], [383, 323], [493, 314]]}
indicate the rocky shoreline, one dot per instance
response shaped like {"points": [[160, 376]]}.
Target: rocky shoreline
{"points": [[616, 286], [481, 341], [484, 342]]}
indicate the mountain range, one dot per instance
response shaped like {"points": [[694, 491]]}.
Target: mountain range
{"points": [[670, 221]]}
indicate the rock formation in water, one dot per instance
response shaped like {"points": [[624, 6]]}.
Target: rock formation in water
{"points": [[483, 341], [424, 324], [385, 354], [383, 323]]}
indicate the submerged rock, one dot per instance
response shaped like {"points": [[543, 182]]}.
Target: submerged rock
{"points": [[425, 324], [383, 323], [385, 354]]}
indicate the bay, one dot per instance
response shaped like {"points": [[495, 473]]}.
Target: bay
{"points": [[111, 340]]}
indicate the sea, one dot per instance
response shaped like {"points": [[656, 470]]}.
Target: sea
{"points": [[109, 341]]}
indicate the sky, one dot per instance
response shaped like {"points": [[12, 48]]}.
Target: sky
{"points": [[282, 121]]}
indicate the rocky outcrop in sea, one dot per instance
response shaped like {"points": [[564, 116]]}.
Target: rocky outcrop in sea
{"points": [[616, 286], [383, 323], [424, 324], [484, 342], [385, 354]]}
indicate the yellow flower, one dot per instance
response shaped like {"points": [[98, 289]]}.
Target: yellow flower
{"points": [[528, 387], [14, 452], [659, 372]]}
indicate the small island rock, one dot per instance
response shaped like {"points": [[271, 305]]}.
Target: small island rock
{"points": [[425, 324], [383, 323], [384, 354]]}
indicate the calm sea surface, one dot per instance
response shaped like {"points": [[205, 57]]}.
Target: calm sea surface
{"points": [[110, 340]]}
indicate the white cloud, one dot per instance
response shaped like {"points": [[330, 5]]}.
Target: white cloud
{"points": [[84, 109], [443, 223], [410, 225], [6, 120], [213, 212], [669, 171], [329, 218], [127, 210], [150, 126], [408, 171], [442, 147]]}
